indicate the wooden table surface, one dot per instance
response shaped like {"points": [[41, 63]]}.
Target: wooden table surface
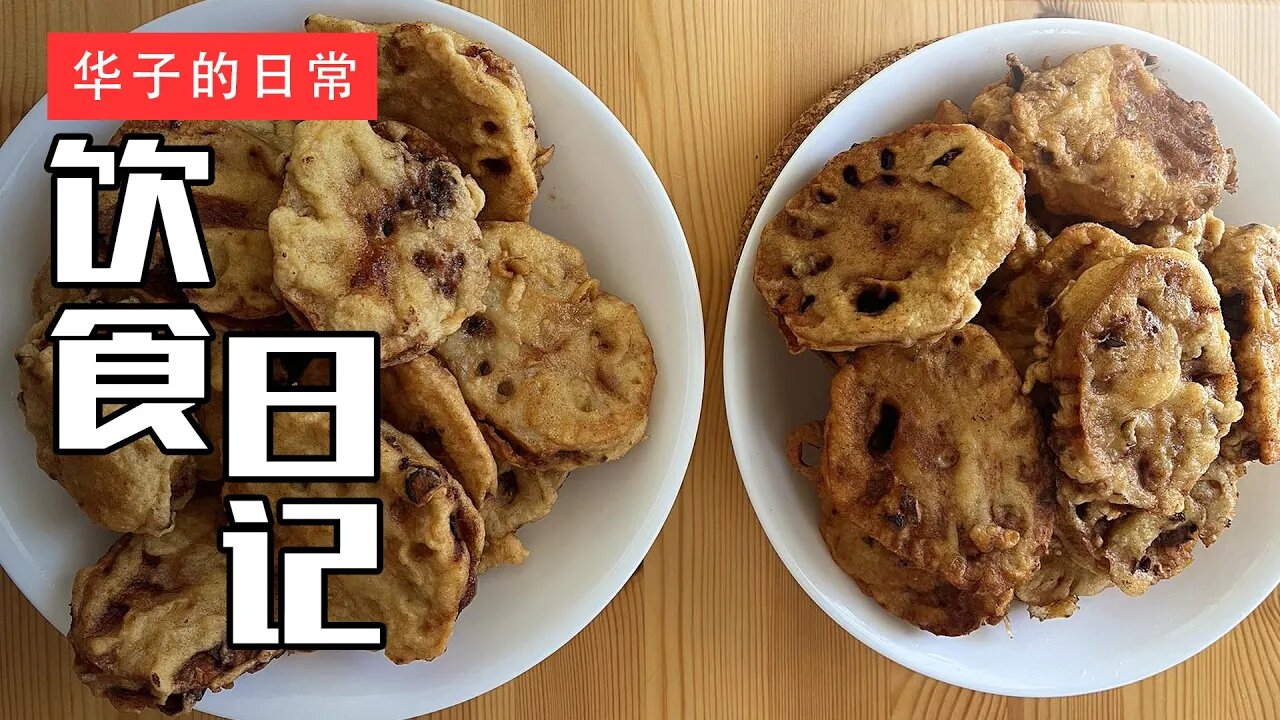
{"points": [[713, 625]]}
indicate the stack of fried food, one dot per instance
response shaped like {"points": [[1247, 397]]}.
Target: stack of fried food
{"points": [[505, 365], [1044, 388]]}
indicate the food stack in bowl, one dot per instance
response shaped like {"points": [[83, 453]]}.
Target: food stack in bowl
{"points": [[504, 365], [1052, 361]]}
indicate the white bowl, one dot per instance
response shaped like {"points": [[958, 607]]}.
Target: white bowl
{"points": [[601, 194], [1112, 639]]}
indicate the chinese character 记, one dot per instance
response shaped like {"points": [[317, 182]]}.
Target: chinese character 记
{"points": [[144, 377], [331, 75], [157, 179], [205, 72], [156, 73], [100, 70], [280, 71]]}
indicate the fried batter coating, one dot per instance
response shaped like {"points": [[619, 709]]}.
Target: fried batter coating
{"points": [[921, 597], [148, 620], [1027, 247], [1139, 548], [1066, 574], [1194, 236], [1012, 313], [1245, 267], [376, 231], [432, 538], [558, 372], [934, 452], [1104, 139], [464, 95], [422, 399], [1140, 365], [524, 496], [891, 240], [233, 211], [135, 488]]}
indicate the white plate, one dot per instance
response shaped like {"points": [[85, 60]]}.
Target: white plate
{"points": [[600, 194], [1112, 640]]}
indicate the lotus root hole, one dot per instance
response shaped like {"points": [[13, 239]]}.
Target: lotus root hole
{"points": [[875, 300], [496, 166], [881, 437]]}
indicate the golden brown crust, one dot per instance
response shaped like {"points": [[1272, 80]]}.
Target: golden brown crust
{"points": [[432, 538], [376, 231], [921, 597], [1139, 362], [918, 596], [1013, 312], [1245, 266], [136, 488], [558, 372], [421, 398], [1065, 575], [466, 96], [148, 620], [891, 240], [1194, 236], [1104, 139], [523, 496], [1138, 548], [935, 452]]}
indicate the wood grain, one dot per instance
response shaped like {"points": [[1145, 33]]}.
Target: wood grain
{"points": [[713, 625]]}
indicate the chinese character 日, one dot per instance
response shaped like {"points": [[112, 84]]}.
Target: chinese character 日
{"points": [[279, 71]]}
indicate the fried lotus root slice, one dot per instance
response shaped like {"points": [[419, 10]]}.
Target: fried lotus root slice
{"points": [[1065, 575], [1139, 548], [891, 240], [148, 620], [558, 372], [432, 538], [934, 452], [1246, 270], [422, 398], [920, 597], [135, 488], [1013, 313], [461, 93], [524, 496], [376, 231], [233, 212], [1139, 364], [1104, 139]]}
